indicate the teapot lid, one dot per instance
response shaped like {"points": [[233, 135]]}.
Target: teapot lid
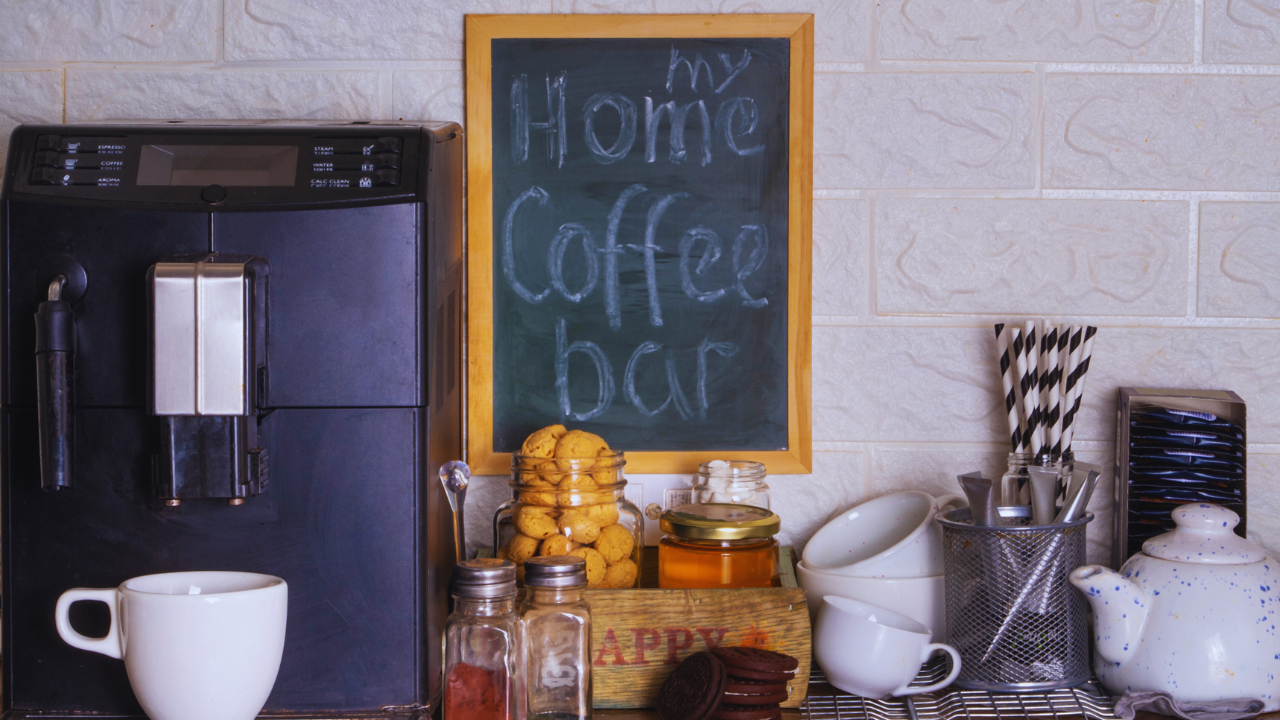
{"points": [[1205, 534]]}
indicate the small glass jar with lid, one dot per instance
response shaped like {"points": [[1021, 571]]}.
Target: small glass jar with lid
{"points": [[718, 545], [484, 644], [557, 623], [572, 506], [738, 482]]}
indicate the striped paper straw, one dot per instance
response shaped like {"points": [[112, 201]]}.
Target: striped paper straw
{"points": [[1030, 387], [1053, 413], [1046, 380], [1059, 351], [1086, 353], [1006, 382], [1075, 337], [1019, 354]]}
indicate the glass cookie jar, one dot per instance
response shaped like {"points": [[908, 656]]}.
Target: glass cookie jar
{"points": [[572, 506]]}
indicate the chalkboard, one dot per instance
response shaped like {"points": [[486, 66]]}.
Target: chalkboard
{"points": [[641, 266]]}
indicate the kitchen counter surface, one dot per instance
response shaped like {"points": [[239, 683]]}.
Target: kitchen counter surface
{"points": [[797, 715]]}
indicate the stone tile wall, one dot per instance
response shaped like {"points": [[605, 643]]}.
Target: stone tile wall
{"points": [[1115, 162]]}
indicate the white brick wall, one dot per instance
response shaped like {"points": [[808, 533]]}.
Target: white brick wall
{"points": [[1108, 161]]}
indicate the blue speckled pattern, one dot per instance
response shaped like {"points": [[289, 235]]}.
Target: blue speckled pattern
{"points": [[1204, 535], [1200, 629]]}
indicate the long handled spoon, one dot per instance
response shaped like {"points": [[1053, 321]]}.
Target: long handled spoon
{"points": [[455, 475]]}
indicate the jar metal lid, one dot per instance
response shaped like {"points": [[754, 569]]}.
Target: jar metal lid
{"points": [[555, 571], [720, 521], [484, 578]]}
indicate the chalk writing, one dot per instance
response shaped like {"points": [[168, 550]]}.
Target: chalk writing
{"points": [[639, 194]]}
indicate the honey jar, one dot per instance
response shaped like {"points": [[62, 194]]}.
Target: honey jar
{"points": [[718, 545]]}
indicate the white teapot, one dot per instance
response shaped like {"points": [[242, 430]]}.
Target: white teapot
{"points": [[1195, 614]]}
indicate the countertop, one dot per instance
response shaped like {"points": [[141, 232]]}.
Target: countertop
{"points": [[797, 715]]}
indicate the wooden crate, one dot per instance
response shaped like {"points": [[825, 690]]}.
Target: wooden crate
{"points": [[639, 635]]}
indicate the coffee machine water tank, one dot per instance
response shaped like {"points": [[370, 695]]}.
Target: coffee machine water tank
{"points": [[232, 346]]}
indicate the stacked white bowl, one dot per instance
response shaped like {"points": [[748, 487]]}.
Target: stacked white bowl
{"points": [[885, 552]]}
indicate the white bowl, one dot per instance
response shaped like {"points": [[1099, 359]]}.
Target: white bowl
{"points": [[892, 536], [922, 599]]}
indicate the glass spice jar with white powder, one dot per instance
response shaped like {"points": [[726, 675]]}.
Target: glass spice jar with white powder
{"points": [[557, 626]]}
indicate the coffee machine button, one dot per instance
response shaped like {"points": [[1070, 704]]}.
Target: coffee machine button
{"points": [[45, 176], [386, 178], [213, 193], [62, 176], [91, 161], [357, 146], [48, 142]]}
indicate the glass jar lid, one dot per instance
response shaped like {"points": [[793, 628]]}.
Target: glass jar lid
{"points": [[720, 521], [555, 571], [484, 578]]}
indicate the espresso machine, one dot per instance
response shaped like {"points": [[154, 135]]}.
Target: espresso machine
{"points": [[232, 346]]}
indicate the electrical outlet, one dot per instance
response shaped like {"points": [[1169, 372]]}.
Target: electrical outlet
{"points": [[675, 497], [656, 496]]}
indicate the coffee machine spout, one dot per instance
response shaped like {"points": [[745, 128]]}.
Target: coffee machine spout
{"points": [[208, 358]]}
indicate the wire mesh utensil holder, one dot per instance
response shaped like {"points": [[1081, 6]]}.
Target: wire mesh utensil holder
{"points": [[1086, 701], [1018, 623]]}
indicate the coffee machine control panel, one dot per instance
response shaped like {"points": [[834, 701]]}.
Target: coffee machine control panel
{"points": [[251, 166]]}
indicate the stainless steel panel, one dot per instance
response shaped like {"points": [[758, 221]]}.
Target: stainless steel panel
{"points": [[201, 339]]}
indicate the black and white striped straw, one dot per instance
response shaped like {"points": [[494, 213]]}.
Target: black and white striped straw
{"points": [[1019, 352], [1086, 353], [1046, 376], [1053, 409], [1030, 384], [1006, 381], [1070, 376]]}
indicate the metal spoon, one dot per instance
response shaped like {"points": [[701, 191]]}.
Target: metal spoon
{"points": [[455, 475]]}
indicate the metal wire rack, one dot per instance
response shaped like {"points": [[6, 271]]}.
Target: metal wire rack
{"points": [[1085, 702]]}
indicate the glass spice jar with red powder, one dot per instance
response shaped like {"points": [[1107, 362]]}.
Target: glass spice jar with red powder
{"points": [[483, 644]]}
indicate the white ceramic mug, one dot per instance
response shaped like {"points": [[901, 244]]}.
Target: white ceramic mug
{"points": [[874, 652], [922, 599], [892, 536], [196, 645]]}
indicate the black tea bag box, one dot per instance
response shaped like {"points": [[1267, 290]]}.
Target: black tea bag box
{"points": [[1175, 447]]}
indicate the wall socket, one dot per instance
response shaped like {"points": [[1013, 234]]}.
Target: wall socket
{"points": [[655, 493], [675, 497]]}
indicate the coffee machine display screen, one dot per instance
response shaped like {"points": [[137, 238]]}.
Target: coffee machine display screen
{"points": [[229, 165]]}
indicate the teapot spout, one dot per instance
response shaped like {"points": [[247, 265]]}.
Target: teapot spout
{"points": [[1119, 609]]}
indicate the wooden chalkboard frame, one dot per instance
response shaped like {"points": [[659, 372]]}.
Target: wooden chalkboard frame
{"points": [[480, 30]]}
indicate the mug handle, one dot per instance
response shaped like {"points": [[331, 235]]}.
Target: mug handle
{"points": [[109, 645], [956, 501], [925, 654]]}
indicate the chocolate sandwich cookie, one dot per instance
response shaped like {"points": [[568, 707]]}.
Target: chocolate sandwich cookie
{"points": [[736, 686], [756, 664], [729, 711], [693, 690], [769, 699]]}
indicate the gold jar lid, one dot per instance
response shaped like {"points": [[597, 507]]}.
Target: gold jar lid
{"points": [[720, 521]]}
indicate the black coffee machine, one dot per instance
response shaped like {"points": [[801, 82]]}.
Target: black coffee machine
{"points": [[232, 347]]}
